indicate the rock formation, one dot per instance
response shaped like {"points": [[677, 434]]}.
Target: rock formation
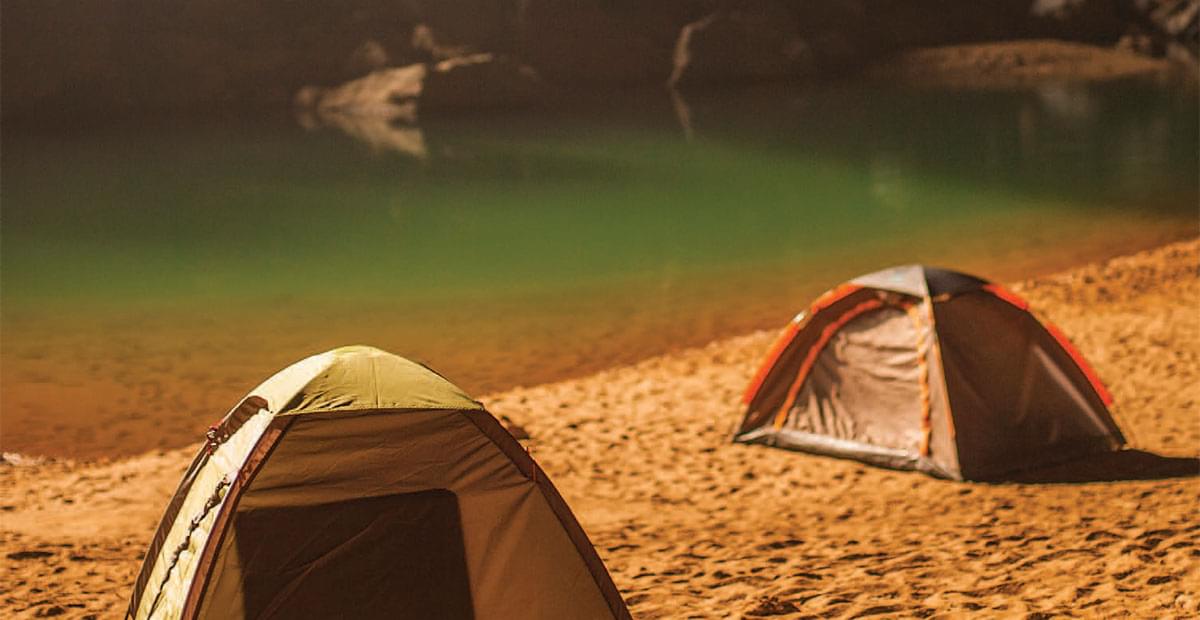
{"points": [[78, 56]]}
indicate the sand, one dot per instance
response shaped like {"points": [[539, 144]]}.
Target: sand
{"points": [[1009, 64], [693, 526]]}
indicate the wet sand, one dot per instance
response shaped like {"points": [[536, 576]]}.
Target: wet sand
{"points": [[693, 526]]}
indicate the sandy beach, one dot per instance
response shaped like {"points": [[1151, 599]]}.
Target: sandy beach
{"points": [[691, 525]]}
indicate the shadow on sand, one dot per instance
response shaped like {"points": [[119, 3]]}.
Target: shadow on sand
{"points": [[1123, 465]]}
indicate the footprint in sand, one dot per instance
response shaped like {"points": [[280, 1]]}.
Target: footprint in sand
{"points": [[29, 555]]}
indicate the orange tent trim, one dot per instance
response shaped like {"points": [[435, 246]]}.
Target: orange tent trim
{"points": [[818, 346], [1007, 295], [832, 296], [777, 349], [1061, 338], [922, 378], [1092, 377], [828, 298]]}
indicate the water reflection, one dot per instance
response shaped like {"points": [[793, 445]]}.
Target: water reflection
{"points": [[382, 133], [1052, 139]]}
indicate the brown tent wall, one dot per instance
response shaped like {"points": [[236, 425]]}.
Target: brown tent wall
{"points": [[529, 468], [1019, 399], [524, 557]]}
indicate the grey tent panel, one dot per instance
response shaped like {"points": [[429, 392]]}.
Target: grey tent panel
{"points": [[774, 388], [920, 281], [907, 279], [863, 387]]}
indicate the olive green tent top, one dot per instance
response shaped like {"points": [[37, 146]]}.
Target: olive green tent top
{"points": [[359, 484]]}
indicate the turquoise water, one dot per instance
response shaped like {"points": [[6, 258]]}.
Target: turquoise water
{"points": [[515, 248]]}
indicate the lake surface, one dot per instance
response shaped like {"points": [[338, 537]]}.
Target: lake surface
{"points": [[154, 271]]}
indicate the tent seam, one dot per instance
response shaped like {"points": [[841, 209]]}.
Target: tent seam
{"points": [[922, 378], [364, 410], [937, 351], [192, 602]]}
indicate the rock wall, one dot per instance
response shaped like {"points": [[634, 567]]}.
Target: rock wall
{"points": [[73, 56]]}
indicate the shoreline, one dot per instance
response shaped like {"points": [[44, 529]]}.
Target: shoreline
{"points": [[1022, 64], [87, 389], [689, 523], [1042, 283]]}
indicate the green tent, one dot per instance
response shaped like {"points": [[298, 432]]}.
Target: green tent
{"points": [[359, 484]]}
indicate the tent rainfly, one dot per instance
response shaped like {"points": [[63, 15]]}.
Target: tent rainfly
{"points": [[932, 370], [358, 484]]}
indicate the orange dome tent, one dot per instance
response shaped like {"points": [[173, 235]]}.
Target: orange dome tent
{"points": [[932, 370]]}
